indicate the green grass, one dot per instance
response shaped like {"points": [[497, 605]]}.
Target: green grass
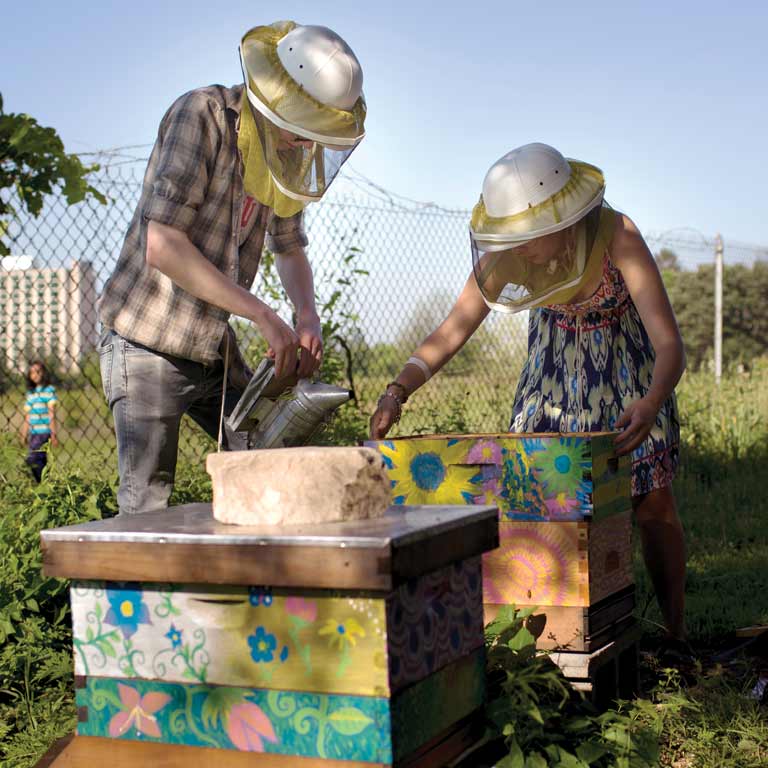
{"points": [[708, 721]]}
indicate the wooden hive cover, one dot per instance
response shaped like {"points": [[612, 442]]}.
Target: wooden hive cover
{"points": [[186, 544]]}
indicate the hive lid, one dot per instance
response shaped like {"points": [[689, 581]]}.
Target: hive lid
{"points": [[186, 544]]}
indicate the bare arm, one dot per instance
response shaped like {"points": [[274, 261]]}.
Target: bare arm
{"points": [[296, 276], [171, 252], [436, 350], [631, 255], [52, 423]]}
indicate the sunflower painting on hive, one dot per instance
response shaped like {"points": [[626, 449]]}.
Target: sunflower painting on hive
{"points": [[561, 467], [430, 472]]}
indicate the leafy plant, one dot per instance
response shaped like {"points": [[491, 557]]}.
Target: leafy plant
{"points": [[543, 720], [33, 164]]}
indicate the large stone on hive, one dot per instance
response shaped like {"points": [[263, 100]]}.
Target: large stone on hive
{"points": [[291, 486]]}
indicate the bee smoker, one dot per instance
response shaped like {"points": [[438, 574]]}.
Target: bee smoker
{"points": [[283, 413]]}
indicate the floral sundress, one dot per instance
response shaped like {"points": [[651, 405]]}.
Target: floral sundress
{"points": [[586, 363]]}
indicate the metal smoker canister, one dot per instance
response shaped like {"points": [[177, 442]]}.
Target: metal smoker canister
{"points": [[292, 418]]}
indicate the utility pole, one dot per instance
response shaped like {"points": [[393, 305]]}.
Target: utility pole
{"points": [[718, 308]]}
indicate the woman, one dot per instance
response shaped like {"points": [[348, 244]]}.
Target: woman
{"points": [[604, 349]]}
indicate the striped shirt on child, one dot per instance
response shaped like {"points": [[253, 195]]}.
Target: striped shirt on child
{"points": [[38, 404]]}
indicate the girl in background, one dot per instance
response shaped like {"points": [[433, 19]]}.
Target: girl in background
{"points": [[40, 416], [604, 349]]}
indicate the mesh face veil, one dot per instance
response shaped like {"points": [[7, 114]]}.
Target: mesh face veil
{"points": [[533, 233], [304, 87]]}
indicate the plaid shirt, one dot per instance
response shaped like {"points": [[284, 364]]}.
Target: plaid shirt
{"points": [[193, 183]]}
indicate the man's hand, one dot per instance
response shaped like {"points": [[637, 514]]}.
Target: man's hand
{"points": [[310, 336], [282, 340], [638, 420]]}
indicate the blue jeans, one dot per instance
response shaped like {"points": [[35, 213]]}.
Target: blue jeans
{"points": [[148, 392], [37, 458]]}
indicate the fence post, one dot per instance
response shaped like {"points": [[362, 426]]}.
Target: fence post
{"points": [[718, 308]]}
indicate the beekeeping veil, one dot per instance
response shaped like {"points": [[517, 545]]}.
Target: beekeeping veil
{"points": [[539, 229], [306, 81]]}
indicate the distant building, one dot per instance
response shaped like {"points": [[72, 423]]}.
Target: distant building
{"points": [[46, 312]]}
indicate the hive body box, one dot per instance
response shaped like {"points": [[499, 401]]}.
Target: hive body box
{"points": [[564, 520], [330, 642]]}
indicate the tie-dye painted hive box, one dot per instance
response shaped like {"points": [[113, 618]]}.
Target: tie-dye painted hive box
{"points": [[563, 499], [365, 645], [536, 477]]}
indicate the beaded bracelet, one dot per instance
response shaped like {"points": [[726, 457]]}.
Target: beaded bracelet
{"points": [[404, 396], [398, 405]]}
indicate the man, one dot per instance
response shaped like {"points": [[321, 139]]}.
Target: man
{"points": [[230, 172]]}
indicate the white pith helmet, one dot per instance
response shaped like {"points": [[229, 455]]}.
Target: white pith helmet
{"points": [[323, 64], [533, 191], [305, 79], [524, 177]]}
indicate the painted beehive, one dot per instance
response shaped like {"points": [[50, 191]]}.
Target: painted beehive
{"points": [[579, 628], [565, 564], [564, 521], [350, 653], [541, 477]]}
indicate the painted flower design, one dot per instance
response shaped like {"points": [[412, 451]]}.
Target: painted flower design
{"points": [[303, 609], [492, 491], [342, 634], [429, 472], [484, 452], [262, 645], [260, 596], [174, 635], [561, 465], [561, 507], [138, 712], [126, 610], [248, 727]]}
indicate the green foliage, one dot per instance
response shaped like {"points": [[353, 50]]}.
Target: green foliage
{"points": [[33, 164], [342, 341], [543, 720], [724, 452], [710, 724], [745, 320]]}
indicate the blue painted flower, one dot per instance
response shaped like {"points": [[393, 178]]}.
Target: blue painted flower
{"points": [[428, 471], [126, 610], [284, 654], [262, 645], [174, 635], [260, 596]]}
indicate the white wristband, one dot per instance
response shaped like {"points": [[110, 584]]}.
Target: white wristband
{"points": [[419, 363]]}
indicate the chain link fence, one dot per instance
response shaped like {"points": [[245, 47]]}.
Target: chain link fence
{"points": [[389, 267]]}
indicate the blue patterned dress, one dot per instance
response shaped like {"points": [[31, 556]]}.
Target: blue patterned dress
{"points": [[587, 362]]}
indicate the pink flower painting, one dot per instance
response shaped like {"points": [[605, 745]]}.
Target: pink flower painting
{"points": [[138, 712], [248, 726], [306, 610], [484, 451]]}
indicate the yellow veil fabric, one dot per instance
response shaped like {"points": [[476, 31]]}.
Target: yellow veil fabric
{"points": [[257, 179], [594, 265], [497, 272]]}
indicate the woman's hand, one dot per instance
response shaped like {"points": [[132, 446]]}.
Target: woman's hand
{"points": [[385, 416], [637, 420]]}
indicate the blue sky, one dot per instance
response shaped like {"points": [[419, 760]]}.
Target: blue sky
{"points": [[669, 98]]}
